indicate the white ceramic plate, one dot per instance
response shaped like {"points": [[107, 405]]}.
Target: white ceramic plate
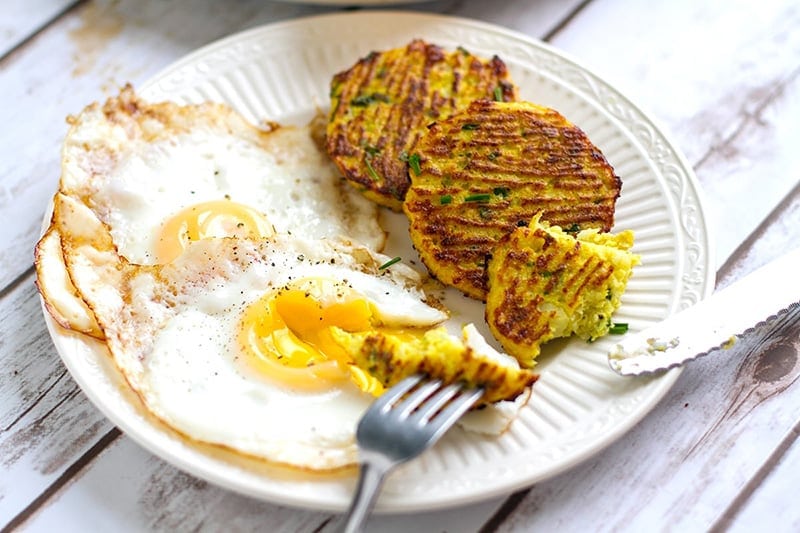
{"points": [[281, 72]]}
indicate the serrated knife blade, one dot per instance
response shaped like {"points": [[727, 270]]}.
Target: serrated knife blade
{"points": [[713, 324]]}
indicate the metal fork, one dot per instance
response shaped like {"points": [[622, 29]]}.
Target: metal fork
{"points": [[396, 429]]}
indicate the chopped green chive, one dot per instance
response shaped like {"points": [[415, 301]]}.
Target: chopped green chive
{"points": [[371, 150], [361, 101], [364, 100], [494, 155], [501, 191], [498, 94], [470, 126], [403, 156], [413, 162], [389, 263], [463, 50], [618, 328], [574, 228], [484, 197], [371, 171], [445, 199]]}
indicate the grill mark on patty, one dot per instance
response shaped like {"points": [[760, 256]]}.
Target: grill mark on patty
{"points": [[494, 167]]}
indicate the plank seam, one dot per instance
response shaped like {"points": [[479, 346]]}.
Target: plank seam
{"points": [[549, 36], [322, 525], [38, 31], [36, 402], [727, 517], [745, 246], [66, 477], [16, 282], [509, 506]]}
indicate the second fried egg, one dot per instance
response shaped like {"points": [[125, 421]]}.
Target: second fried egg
{"points": [[161, 175]]}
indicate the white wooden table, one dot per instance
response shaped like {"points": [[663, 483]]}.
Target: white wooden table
{"points": [[721, 450]]}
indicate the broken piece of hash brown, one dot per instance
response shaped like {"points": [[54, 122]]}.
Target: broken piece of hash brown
{"points": [[382, 104], [439, 355], [481, 173], [545, 283]]}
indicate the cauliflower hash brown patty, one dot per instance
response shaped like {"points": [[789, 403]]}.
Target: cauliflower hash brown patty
{"points": [[481, 173], [382, 104], [545, 283]]}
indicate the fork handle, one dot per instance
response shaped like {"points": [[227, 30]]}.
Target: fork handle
{"points": [[370, 480]]}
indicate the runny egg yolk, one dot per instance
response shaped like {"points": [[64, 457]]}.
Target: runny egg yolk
{"points": [[217, 218], [286, 335]]}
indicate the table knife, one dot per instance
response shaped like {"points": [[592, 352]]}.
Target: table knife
{"points": [[770, 294]]}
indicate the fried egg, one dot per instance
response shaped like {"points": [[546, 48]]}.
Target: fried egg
{"points": [[229, 344], [161, 175]]}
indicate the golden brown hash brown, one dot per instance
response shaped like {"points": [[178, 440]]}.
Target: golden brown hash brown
{"points": [[437, 354], [545, 283], [481, 173], [381, 105]]}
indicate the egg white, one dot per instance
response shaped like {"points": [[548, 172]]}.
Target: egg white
{"points": [[137, 164], [171, 329]]}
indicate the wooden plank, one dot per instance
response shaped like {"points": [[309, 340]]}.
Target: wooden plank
{"points": [[767, 491], [50, 431], [153, 496], [710, 74], [770, 498], [24, 18], [767, 242], [45, 421]]}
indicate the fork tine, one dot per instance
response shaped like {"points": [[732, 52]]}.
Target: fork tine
{"points": [[448, 416], [436, 402], [417, 397], [396, 392]]}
